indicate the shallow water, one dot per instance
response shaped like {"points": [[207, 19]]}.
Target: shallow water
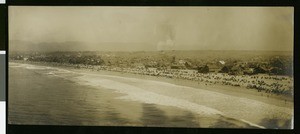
{"points": [[52, 96]]}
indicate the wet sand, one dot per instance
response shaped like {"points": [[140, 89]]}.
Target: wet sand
{"points": [[145, 100]]}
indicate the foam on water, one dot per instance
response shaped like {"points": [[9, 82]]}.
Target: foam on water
{"points": [[170, 85], [27, 66], [139, 94], [50, 73]]}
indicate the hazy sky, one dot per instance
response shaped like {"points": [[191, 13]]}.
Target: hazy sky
{"points": [[191, 28]]}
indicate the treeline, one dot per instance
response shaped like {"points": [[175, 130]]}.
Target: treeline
{"points": [[70, 58], [275, 66]]}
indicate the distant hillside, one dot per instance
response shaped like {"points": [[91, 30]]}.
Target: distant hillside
{"points": [[17, 45]]}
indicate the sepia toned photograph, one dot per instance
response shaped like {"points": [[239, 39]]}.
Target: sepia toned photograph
{"points": [[151, 66]]}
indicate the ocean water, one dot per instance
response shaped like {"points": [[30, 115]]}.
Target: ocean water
{"points": [[53, 96]]}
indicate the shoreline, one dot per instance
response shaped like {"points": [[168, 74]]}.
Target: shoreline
{"points": [[278, 100], [202, 100]]}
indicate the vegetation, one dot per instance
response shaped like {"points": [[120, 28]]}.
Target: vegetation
{"points": [[264, 63]]}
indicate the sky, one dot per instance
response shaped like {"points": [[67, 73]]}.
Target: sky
{"points": [[155, 28]]}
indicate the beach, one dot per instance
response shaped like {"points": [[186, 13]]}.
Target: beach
{"points": [[63, 96]]}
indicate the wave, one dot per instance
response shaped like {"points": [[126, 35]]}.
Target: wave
{"points": [[133, 93]]}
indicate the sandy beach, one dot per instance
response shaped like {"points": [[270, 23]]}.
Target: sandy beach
{"points": [[207, 105]]}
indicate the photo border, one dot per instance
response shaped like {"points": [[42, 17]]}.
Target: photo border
{"points": [[16, 129]]}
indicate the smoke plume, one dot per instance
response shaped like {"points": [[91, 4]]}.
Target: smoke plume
{"points": [[166, 39]]}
